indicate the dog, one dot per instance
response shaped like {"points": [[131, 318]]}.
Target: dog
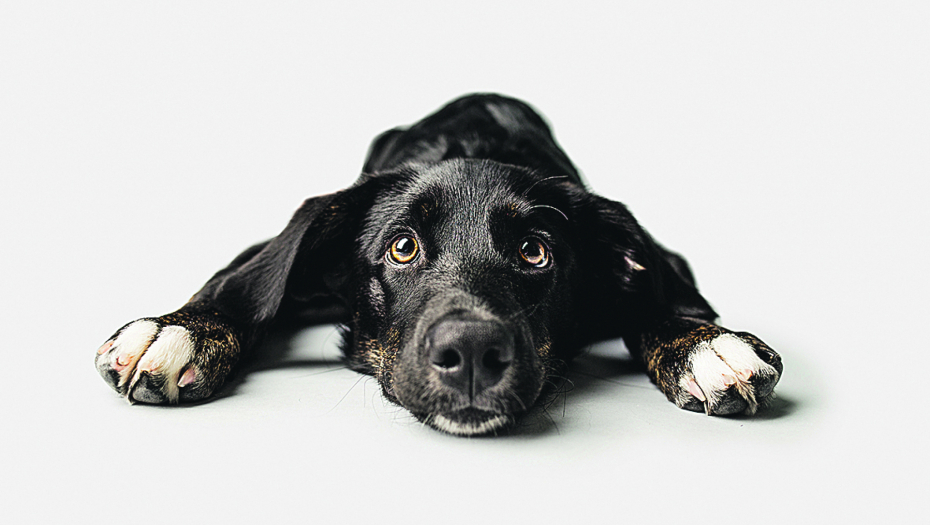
{"points": [[468, 265]]}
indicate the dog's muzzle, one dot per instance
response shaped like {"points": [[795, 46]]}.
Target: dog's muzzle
{"points": [[466, 370]]}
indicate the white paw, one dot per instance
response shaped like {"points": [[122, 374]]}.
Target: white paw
{"points": [[147, 362], [726, 376]]}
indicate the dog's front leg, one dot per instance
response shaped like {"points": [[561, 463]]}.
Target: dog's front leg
{"points": [[704, 367], [186, 355]]}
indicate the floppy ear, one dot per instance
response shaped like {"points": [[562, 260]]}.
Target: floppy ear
{"points": [[627, 280], [308, 258]]}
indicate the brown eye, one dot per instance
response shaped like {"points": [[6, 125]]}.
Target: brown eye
{"points": [[534, 252], [404, 249]]}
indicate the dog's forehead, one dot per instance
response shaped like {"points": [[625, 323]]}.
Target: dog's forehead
{"points": [[457, 192]]}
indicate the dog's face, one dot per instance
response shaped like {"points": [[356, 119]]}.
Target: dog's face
{"points": [[464, 302]]}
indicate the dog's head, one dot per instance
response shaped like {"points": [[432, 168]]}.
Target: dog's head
{"points": [[474, 281], [467, 290]]}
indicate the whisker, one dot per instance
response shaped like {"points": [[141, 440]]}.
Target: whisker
{"points": [[560, 212], [529, 310], [528, 190], [513, 394], [552, 420], [329, 370], [349, 391]]}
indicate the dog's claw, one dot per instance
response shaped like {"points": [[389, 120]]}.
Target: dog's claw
{"points": [[123, 360], [105, 348], [695, 391], [188, 377]]}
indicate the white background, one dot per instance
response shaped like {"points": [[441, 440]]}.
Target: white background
{"points": [[783, 147]]}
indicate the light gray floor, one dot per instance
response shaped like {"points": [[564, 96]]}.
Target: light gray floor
{"points": [[784, 150]]}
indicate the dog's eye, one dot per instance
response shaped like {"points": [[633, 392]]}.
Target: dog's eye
{"points": [[534, 252], [404, 249]]}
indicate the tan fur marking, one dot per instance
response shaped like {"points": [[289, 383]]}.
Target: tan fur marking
{"points": [[381, 355], [544, 349], [374, 353]]}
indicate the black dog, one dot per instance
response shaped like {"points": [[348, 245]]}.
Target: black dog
{"points": [[468, 264]]}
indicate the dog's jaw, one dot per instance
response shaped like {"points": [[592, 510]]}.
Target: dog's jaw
{"points": [[468, 426], [418, 385]]}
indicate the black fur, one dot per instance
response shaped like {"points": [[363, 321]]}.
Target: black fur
{"points": [[467, 333]]}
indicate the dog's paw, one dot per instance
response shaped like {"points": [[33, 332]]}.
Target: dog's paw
{"points": [[730, 373], [174, 358]]}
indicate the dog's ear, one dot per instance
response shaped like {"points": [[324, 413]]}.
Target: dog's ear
{"points": [[326, 258], [307, 258], [626, 278], [382, 150]]}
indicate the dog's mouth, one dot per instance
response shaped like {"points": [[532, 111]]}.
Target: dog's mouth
{"points": [[468, 421], [468, 375], [465, 370]]}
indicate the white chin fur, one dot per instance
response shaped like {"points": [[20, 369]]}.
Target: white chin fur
{"points": [[467, 429]]}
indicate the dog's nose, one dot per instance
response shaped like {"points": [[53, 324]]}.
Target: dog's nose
{"points": [[470, 355]]}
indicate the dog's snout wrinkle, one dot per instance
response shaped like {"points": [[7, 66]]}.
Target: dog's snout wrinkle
{"points": [[471, 356]]}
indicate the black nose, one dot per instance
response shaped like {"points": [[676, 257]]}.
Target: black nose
{"points": [[471, 355]]}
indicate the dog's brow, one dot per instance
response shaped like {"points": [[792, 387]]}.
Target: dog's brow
{"points": [[546, 206], [423, 211], [513, 210], [540, 181]]}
